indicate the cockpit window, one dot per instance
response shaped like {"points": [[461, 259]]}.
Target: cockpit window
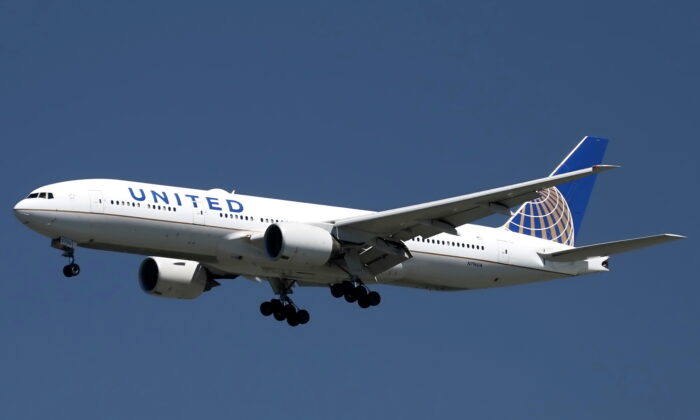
{"points": [[41, 195]]}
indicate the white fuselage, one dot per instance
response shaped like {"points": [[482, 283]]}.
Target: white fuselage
{"points": [[207, 226]]}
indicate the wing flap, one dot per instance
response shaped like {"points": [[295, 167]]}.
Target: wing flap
{"points": [[608, 248]]}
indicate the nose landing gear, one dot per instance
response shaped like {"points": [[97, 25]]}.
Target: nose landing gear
{"points": [[71, 270], [68, 247]]}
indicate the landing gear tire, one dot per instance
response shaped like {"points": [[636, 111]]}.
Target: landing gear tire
{"points": [[276, 305], [374, 298], [360, 291], [71, 270], [278, 309], [363, 302], [266, 308], [303, 316], [337, 290], [350, 298], [293, 321], [290, 311], [347, 287]]}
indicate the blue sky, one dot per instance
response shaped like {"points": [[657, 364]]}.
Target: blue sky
{"points": [[368, 105]]}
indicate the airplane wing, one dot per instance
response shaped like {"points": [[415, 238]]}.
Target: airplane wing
{"points": [[608, 248], [443, 216], [378, 237]]}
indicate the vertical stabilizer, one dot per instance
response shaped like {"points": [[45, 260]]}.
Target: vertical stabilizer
{"points": [[558, 212]]}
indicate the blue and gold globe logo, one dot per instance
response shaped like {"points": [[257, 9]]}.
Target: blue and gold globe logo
{"points": [[546, 217]]}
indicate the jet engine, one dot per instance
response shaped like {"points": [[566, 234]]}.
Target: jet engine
{"points": [[180, 279], [299, 244]]}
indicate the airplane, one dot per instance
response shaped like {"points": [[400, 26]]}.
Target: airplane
{"points": [[195, 238]]}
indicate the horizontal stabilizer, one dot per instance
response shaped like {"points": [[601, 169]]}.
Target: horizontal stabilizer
{"points": [[608, 248]]}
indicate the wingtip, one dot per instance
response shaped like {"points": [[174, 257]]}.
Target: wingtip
{"points": [[601, 168], [674, 236]]}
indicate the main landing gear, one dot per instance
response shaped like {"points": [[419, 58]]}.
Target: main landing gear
{"points": [[68, 247], [356, 292], [284, 308]]}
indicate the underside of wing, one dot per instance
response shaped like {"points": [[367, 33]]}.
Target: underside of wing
{"points": [[443, 216]]}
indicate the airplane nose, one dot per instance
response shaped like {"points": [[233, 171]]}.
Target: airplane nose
{"points": [[20, 212]]}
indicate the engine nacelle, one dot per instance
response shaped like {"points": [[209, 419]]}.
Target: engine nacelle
{"points": [[299, 244], [173, 278]]}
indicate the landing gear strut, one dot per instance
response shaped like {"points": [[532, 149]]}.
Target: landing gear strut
{"points": [[355, 291], [68, 247], [284, 308]]}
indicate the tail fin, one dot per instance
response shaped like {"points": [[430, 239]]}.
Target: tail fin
{"points": [[557, 214]]}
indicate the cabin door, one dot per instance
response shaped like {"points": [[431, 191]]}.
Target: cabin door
{"points": [[504, 252], [198, 212], [96, 202]]}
